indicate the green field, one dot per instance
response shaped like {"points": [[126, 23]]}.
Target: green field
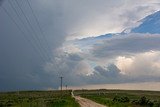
{"points": [[110, 98], [122, 98], [37, 99]]}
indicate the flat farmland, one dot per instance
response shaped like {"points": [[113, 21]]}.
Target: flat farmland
{"points": [[109, 98]]}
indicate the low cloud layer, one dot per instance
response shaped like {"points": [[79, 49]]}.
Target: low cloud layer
{"points": [[127, 44]]}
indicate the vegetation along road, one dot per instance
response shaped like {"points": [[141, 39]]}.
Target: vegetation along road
{"points": [[122, 98]]}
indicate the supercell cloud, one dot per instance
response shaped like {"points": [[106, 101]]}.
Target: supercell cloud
{"points": [[30, 61]]}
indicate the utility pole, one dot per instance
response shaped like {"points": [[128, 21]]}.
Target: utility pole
{"points": [[61, 82], [66, 87]]}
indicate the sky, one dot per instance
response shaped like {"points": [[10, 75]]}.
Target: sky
{"points": [[41, 40]]}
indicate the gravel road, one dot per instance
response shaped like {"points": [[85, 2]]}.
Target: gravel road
{"points": [[86, 102]]}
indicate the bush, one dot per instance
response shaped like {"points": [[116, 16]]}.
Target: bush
{"points": [[135, 102], [116, 99], [143, 100], [125, 99], [121, 99]]}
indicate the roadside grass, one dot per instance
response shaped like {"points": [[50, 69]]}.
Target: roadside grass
{"points": [[122, 98], [105, 101], [37, 99]]}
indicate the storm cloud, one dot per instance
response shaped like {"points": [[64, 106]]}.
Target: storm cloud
{"points": [[32, 60], [1, 1]]}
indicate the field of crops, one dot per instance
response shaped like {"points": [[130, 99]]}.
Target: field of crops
{"points": [[37, 99], [122, 98]]}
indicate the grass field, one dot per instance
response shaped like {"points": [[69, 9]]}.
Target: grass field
{"points": [[122, 98], [110, 98], [37, 99]]}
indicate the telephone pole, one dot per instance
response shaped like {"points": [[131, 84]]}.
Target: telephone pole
{"points": [[61, 82]]}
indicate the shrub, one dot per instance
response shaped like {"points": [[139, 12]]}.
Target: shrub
{"points": [[143, 101], [125, 99], [116, 99], [135, 102], [121, 99]]}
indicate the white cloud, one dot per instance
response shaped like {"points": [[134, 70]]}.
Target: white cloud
{"points": [[124, 63], [142, 64]]}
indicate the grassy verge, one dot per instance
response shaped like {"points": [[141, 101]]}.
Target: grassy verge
{"points": [[37, 99]]}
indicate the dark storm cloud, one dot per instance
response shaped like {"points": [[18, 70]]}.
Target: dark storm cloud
{"points": [[75, 57], [22, 58], [111, 71], [65, 65], [1, 1], [108, 74]]}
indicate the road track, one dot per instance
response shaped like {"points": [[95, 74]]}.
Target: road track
{"points": [[86, 102]]}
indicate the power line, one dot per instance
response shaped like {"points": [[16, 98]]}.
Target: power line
{"points": [[24, 25], [19, 16], [12, 19], [36, 38], [40, 28]]}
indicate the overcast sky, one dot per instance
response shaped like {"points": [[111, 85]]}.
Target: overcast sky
{"points": [[38, 43]]}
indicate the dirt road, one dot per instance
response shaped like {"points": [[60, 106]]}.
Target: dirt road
{"points": [[86, 102]]}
